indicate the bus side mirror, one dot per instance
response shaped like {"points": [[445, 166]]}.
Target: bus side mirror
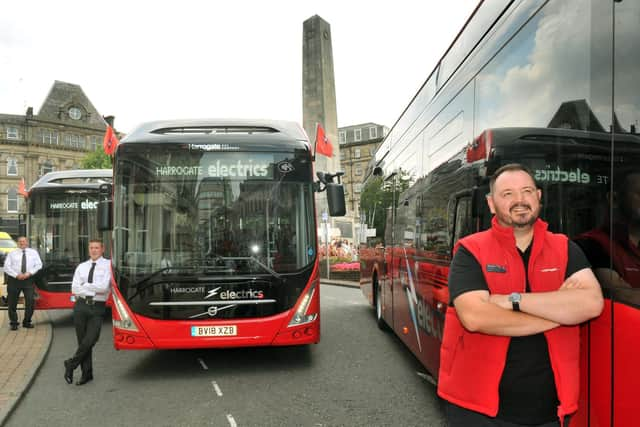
{"points": [[105, 208], [335, 192], [335, 199]]}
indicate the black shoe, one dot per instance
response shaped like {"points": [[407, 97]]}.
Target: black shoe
{"points": [[83, 380], [28, 325], [68, 372], [14, 327]]}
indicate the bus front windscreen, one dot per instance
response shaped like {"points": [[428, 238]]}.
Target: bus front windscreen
{"points": [[209, 213], [61, 225]]}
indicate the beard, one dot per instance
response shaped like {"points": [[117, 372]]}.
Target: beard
{"points": [[522, 220]]}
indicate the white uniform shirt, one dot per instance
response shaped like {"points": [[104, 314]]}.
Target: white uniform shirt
{"points": [[13, 262], [101, 285]]}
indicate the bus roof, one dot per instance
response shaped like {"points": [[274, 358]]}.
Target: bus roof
{"points": [[220, 131], [76, 178], [508, 134]]}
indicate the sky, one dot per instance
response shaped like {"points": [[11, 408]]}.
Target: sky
{"points": [[141, 60]]}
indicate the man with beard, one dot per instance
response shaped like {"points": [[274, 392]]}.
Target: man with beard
{"points": [[617, 246], [510, 351]]}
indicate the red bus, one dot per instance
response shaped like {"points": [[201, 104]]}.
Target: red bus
{"points": [[518, 85], [214, 232], [62, 218]]}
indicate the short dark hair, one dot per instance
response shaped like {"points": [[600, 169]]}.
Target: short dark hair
{"points": [[511, 167], [96, 241]]}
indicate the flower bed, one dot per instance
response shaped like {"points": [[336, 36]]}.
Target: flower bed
{"points": [[346, 266]]}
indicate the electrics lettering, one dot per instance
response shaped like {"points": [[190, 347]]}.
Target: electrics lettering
{"points": [[559, 175], [83, 205], [248, 294], [238, 169], [219, 169]]}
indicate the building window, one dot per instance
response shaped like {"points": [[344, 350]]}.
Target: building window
{"points": [[357, 135], [357, 188], [94, 142], [12, 166], [49, 137], [12, 133], [12, 200], [357, 170], [356, 153], [342, 137], [373, 132], [46, 167], [72, 140]]}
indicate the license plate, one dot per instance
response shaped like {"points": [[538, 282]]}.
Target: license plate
{"points": [[214, 331]]}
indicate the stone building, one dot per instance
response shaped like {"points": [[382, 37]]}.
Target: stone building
{"points": [[64, 131], [358, 144]]}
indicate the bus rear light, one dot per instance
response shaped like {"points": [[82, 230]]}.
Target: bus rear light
{"points": [[124, 319], [301, 316]]}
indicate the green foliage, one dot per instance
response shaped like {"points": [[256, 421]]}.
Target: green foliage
{"points": [[96, 160], [377, 197]]}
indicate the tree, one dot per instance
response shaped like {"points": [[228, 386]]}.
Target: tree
{"points": [[377, 196], [96, 160]]}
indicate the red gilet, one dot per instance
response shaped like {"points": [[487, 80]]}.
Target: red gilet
{"points": [[471, 364]]}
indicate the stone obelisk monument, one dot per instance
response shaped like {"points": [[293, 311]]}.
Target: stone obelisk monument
{"points": [[319, 96]]}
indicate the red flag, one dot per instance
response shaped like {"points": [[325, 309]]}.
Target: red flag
{"points": [[22, 188], [323, 145], [110, 141]]}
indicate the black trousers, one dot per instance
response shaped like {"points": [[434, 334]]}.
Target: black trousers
{"points": [[14, 287], [87, 320], [461, 417]]}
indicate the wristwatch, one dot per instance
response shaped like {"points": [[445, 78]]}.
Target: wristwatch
{"points": [[515, 298]]}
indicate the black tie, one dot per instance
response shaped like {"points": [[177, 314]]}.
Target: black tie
{"points": [[23, 268], [93, 267]]}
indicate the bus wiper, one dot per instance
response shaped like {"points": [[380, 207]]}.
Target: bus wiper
{"points": [[265, 266], [251, 258], [155, 273], [137, 284]]}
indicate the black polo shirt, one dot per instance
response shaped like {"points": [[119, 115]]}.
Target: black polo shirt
{"points": [[527, 387]]}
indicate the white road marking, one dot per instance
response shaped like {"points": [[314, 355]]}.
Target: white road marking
{"points": [[204, 365], [232, 422], [216, 388]]}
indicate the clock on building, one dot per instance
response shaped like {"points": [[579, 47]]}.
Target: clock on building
{"points": [[75, 113]]}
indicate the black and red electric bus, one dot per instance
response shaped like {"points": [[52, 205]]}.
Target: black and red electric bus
{"points": [[519, 85], [62, 218], [214, 231]]}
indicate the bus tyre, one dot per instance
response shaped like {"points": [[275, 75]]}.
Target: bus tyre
{"points": [[378, 301]]}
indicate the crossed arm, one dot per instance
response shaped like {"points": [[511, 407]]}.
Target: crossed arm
{"points": [[578, 299]]}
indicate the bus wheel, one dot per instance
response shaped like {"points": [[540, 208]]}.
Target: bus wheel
{"points": [[379, 319]]}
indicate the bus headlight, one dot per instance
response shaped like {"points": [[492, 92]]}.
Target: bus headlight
{"points": [[301, 316], [124, 321]]}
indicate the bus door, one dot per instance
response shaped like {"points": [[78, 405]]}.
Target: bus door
{"points": [[626, 300], [389, 269], [407, 294]]}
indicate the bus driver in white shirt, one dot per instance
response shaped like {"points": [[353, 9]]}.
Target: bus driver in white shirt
{"points": [[91, 286]]}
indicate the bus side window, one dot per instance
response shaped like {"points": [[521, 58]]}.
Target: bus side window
{"points": [[462, 220]]}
